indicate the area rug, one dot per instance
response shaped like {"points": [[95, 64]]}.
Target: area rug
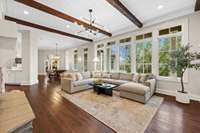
{"points": [[122, 115]]}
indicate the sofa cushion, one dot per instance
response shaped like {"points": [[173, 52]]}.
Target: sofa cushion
{"points": [[96, 74], [106, 75], [115, 81], [126, 76], [86, 75], [115, 75], [136, 88], [79, 76], [82, 82]]}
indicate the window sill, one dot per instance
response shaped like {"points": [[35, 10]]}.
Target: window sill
{"points": [[171, 79]]}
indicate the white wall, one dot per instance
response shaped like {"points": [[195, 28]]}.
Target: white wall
{"points": [[1, 9], [34, 38], [44, 54], [27, 75]]}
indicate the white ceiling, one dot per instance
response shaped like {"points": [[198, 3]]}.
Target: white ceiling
{"points": [[106, 15]]}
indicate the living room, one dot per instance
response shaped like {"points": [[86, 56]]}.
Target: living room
{"points": [[120, 66]]}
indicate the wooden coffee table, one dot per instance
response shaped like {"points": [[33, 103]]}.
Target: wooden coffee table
{"points": [[104, 88]]}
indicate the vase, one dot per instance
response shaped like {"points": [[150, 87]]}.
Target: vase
{"points": [[182, 97]]}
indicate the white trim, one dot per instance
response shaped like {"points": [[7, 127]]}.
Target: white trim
{"points": [[173, 93]]}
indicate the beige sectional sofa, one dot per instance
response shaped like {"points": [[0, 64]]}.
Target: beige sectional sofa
{"points": [[132, 86]]}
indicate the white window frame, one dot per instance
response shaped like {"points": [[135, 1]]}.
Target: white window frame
{"points": [[170, 78], [85, 52], [121, 45], [102, 63], [142, 41]]}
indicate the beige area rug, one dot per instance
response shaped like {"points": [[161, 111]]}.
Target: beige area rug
{"points": [[124, 116]]}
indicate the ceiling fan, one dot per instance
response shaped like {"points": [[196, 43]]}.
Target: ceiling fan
{"points": [[92, 23]]}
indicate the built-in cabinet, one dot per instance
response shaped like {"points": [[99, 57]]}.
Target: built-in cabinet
{"points": [[13, 76]]}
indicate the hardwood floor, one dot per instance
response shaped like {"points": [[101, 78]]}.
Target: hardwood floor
{"points": [[55, 114]]}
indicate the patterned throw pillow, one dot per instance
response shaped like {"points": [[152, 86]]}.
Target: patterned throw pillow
{"points": [[143, 78], [136, 78]]}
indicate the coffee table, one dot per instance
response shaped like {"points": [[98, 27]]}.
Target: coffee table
{"points": [[103, 88]]}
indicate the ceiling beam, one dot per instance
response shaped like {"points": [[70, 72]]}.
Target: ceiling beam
{"points": [[121, 8], [197, 5], [22, 22], [61, 15]]}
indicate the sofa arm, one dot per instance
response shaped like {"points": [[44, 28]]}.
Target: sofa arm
{"points": [[152, 85], [67, 84]]}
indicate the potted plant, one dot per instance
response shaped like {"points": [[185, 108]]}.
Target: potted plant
{"points": [[180, 61]]}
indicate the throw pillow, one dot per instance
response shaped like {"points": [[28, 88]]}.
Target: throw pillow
{"points": [[143, 78], [136, 78], [79, 76], [86, 75], [126, 76], [96, 75], [106, 75]]}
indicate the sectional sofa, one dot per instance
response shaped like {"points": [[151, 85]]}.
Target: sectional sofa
{"points": [[132, 86]]}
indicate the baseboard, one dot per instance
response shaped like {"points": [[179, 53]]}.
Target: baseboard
{"points": [[26, 83], [173, 93]]}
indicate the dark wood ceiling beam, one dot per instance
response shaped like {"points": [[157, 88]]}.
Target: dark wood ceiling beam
{"points": [[22, 22], [61, 15], [197, 5], [121, 8]]}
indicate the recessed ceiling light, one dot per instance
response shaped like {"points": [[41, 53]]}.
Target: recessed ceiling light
{"points": [[68, 26], [26, 12], [160, 7]]}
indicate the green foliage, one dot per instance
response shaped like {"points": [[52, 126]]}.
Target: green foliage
{"points": [[181, 60]]}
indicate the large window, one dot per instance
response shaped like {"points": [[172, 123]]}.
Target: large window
{"points": [[111, 57], [144, 53], [169, 42], [100, 56], [75, 59], [125, 58], [85, 59]]}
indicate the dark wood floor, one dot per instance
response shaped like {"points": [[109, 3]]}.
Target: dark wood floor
{"points": [[55, 114]]}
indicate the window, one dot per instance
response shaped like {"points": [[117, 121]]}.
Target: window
{"points": [[111, 58], [125, 40], [144, 53], [168, 44], [100, 56], [125, 58], [75, 59], [85, 56]]}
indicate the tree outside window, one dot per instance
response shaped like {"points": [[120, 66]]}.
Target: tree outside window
{"points": [[144, 56], [125, 58], [168, 46]]}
